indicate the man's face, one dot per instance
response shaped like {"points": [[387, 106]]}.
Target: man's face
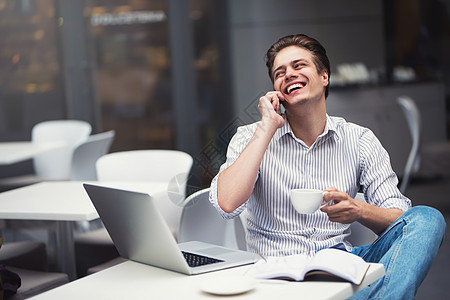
{"points": [[296, 77]]}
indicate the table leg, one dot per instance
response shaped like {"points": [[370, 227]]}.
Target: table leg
{"points": [[66, 249]]}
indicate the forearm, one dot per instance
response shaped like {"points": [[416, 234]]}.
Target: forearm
{"points": [[377, 218], [236, 183]]}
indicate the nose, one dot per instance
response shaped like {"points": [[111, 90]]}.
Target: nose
{"points": [[289, 73]]}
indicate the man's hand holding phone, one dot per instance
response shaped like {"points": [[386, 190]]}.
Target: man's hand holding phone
{"points": [[270, 109]]}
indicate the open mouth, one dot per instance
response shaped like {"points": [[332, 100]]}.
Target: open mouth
{"points": [[294, 87]]}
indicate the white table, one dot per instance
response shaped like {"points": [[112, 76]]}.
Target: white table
{"points": [[131, 280], [13, 152], [66, 202]]}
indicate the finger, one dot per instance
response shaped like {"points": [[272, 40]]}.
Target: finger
{"points": [[270, 101], [276, 95], [281, 99], [334, 212], [332, 216], [274, 100], [335, 209], [334, 219], [327, 196], [265, 107], [279, 95], [336, 196]]}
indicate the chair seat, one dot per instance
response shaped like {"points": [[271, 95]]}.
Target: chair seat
{"points": [[31, 255], [35, 282]]}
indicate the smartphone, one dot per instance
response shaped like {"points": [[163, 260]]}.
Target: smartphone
{"points": [[282, 110]]}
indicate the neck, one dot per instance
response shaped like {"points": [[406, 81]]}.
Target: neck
{"points": [[307, 121]]}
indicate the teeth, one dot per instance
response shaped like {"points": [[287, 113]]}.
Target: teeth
{"points": [[294, 86]]}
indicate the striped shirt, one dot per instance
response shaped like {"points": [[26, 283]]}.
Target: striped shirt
{"points": [[345, 156]]}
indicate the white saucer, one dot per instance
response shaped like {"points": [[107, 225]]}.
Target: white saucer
{"points": [[228, 285]]}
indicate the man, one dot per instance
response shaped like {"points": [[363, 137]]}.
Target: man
{"points": [[306, 148]]}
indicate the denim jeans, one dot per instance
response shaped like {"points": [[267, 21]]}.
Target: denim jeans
{"points": [[406, 249]]}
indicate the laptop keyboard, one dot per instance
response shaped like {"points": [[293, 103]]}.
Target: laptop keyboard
{"points": [[195, 260]]}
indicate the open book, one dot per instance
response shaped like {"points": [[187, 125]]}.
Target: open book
{"points": [[330, 262]]}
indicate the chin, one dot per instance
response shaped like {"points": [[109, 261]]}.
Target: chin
{"points": [[297, 99]]}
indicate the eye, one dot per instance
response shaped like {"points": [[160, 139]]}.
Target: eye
{"points": [[278, 74]]}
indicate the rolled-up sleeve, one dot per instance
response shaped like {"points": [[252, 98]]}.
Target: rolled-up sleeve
{"points": [[237, 144], [378, 179]]}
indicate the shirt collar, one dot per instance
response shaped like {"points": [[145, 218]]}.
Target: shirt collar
{"points": [[330, 129]]}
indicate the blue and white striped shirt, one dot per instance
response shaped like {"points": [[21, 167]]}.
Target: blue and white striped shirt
{"points": [[345, 156]]}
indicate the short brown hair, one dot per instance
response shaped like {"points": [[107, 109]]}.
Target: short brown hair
{"points": [[303, 41]]}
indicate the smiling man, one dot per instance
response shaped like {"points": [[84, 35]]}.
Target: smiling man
{"points": [[306, 148]]}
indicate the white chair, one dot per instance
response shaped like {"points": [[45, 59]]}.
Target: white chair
{"points": [[144, 165], [84, 159], [87, 153], [240, 230], [51, 165], [413, 120], [56, 164], [28, 259], [170, 166], [201, 222]]}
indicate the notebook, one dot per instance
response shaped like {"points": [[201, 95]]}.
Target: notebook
{"points": [[141, 234]]}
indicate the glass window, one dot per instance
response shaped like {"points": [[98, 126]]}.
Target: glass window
{"points": [[130, 46], [130, 43], [215, 105], [418, 32], [30, 75]]}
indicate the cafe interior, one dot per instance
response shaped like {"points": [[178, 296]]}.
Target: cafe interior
{"points": [[183, 75]]}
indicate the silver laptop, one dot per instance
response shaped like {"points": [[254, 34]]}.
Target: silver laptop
{"points": [[141, 234]]}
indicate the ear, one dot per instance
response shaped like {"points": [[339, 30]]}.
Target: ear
{"points": [[324, 76]]}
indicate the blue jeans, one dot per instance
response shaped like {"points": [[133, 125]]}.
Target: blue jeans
{"points": [[406, 249]]}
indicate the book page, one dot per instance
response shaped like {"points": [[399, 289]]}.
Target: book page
{"points": [[340, 263], [336, 262], [284, 267]]}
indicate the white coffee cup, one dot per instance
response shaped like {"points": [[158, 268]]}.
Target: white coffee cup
{"points": [[307, 201]]}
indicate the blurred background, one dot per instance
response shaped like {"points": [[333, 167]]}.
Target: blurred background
{"points": [[168, 74], [183, 74]]}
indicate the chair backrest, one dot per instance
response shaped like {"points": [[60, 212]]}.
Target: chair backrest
{"points": [[201, 222], [360, 234], [144, 165], [240, 230], [169, 166], [413, 120], [56, 164], [87, 153]]}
